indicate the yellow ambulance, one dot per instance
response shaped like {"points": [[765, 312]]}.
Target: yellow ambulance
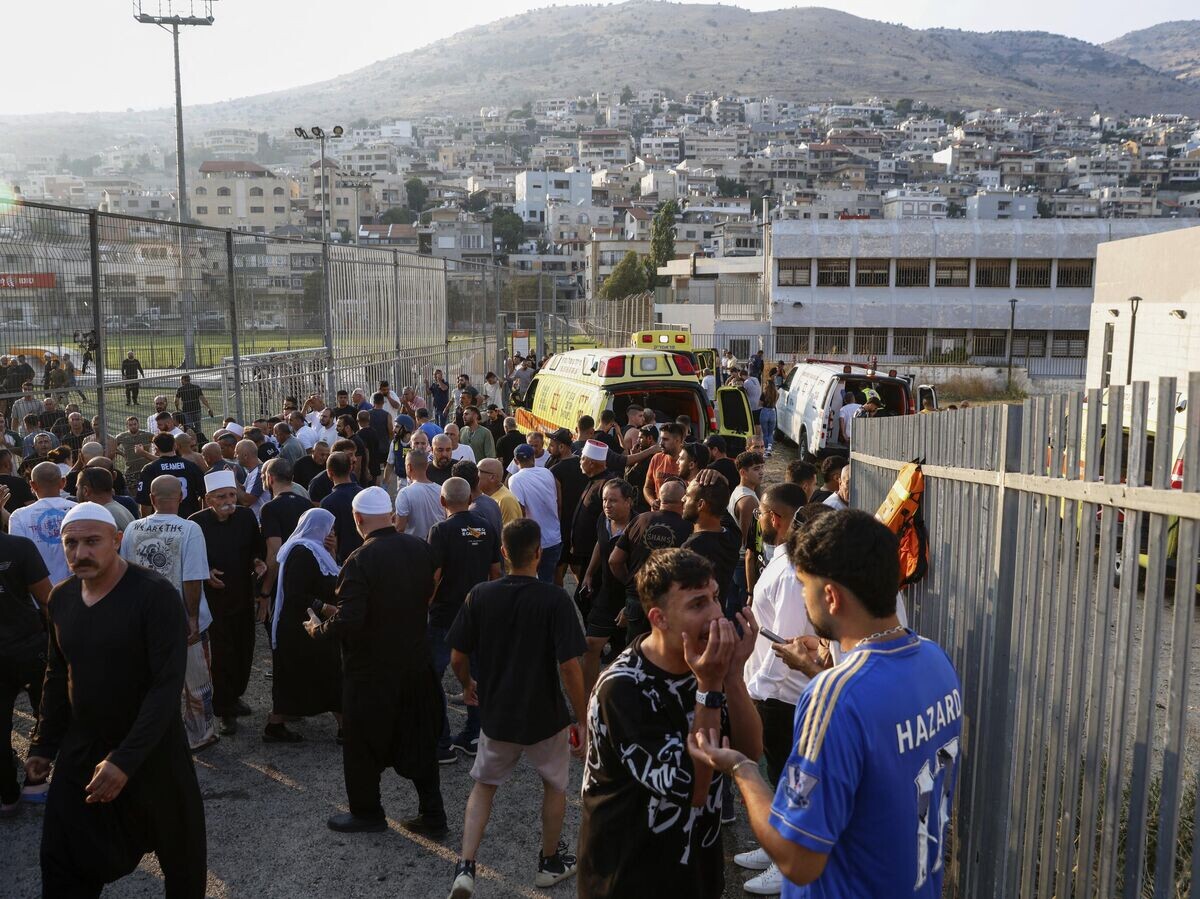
{"points": [[586, 382], [677, 340]]}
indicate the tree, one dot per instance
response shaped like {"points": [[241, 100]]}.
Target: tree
{"points": [[477, 201], [904, 106], [508, 228], [662, 241], [730, 187], [626, 95], [398, 215], [628, 277], [418, 193]]}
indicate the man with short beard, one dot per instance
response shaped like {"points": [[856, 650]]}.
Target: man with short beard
{"points": [[236, 554], [443, 460], [308, 467], [109, 720]]}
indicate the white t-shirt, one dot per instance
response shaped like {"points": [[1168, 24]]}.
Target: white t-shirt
{"points": [[778, 604], [538, 462], [462, 453], [420, 503], [846, 416], [753, 392], [492, 394], [41, 523], [709, 383], [537, 491], [389, 408], [173, 547], [254, 486], [834, 502]]}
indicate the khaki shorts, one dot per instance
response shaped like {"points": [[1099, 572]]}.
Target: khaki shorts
{"points": [[551, 758]]}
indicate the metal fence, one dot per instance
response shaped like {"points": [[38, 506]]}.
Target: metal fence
{"points": [[250, 318], [1063, 585]]}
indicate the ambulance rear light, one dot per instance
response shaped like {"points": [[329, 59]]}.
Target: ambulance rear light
{"points": [[1177, 475], [712, 419], [680, 338], [647, 338], [684, 364], [614, 367]]}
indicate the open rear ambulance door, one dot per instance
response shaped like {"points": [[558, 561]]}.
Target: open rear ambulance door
{"points": [[733, 413]]}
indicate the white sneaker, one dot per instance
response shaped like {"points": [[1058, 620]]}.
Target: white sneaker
{"points": [[768, 883], [754, 860]]}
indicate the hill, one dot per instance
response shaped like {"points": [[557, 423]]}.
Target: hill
{"points": [[1172, 48], [807, 53]]}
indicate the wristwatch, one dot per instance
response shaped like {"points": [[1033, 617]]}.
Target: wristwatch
{"points": [[712, 699]]}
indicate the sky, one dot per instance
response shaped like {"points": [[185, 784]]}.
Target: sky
{"points": [[90, 55]]}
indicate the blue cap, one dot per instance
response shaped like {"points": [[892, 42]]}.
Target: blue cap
{"points": [[523, 451], [406, 422]]}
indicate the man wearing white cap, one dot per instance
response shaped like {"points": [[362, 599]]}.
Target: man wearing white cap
{"points": [[109, 721], [236, 554], [174, 548], [392, 701], [41, 521], [593, 462]]}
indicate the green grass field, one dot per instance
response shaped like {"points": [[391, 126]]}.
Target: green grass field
{"points": [[156, 351]]}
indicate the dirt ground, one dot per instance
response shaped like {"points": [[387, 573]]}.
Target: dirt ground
{"points": [[266, 805]]}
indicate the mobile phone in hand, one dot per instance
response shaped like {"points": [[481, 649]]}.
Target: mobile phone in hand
{"points": [[771, 635]]}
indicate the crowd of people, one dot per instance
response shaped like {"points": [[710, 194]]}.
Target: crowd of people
{"points": [[379, 539]]}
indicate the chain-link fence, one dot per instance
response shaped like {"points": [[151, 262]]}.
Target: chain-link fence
{"points": [[91, 300]]}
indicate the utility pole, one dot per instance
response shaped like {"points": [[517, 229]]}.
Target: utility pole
{"points": [[1134, 302], [1012, 322], [181, 201]]}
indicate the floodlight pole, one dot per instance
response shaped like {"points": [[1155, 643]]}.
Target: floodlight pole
{"points": [[181, 205]]}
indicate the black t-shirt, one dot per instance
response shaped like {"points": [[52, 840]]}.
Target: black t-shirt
{"points": [[819, 495], [379, 424], [320, 486], [20, 565], [589, 510], [305, 470], [573, 482], [651, 531], [191, 479], [507, 445], [19, 493], [519, 630], [340, 502], [723, 549], [637, 783], [438, 474], [189, 397], [464, 547], [281, 515], [375, 456], [727, 467], [339, 411]]}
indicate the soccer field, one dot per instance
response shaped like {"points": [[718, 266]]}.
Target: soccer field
{"points": [[166, 351]]}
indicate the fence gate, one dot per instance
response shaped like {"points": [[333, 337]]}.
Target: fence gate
{"points": [[1064, 538]]}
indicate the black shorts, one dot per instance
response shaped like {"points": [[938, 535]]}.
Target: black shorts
{"points": [[602, 618]]}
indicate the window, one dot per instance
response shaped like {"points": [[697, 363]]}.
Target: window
{"points": [[833, 273], [1033, 272], [279, 210], [1069, 344], [831, 341], [795, 272], [992, 272], [949, 345], [873, 272], [1029, 344], [256, 191], [870, 341], [256, 209], [134, 204], [201, 210], [952, 273], [278, 191], [989, 344], [202, 191], [792, 341], [224, 210], [908, 342], [222, 191], [1074, 273], [155, 280], [912, 272]]}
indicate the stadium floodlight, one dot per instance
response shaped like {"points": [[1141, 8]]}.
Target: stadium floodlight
{"points": [[177, 13], [317, 133]]}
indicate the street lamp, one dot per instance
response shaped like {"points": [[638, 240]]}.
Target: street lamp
{"points": [[356, 181], [181, 205], [1134, 302], [1012, 321], [318, 133]]}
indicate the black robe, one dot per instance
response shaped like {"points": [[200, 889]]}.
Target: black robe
{"points": [[113, 680], [307, 673]]}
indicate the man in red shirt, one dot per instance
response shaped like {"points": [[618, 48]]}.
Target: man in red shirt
{"points": [[665, 464]]}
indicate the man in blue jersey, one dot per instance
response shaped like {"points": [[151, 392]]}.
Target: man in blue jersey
{"points": [[865, 797]]}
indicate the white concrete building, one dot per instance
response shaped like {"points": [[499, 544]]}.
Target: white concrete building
{"points": [[241, 195], [1002, 205], [535, 189], [911, 203]]}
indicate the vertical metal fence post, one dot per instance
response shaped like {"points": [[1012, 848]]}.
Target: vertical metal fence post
{"points": [[446, 321], [396, 379], [330, 389], [97, 317], [501, 342], [233, 330], [541, 333]]}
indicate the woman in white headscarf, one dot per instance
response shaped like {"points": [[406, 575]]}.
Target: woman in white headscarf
{"points": [[307, 676]]}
